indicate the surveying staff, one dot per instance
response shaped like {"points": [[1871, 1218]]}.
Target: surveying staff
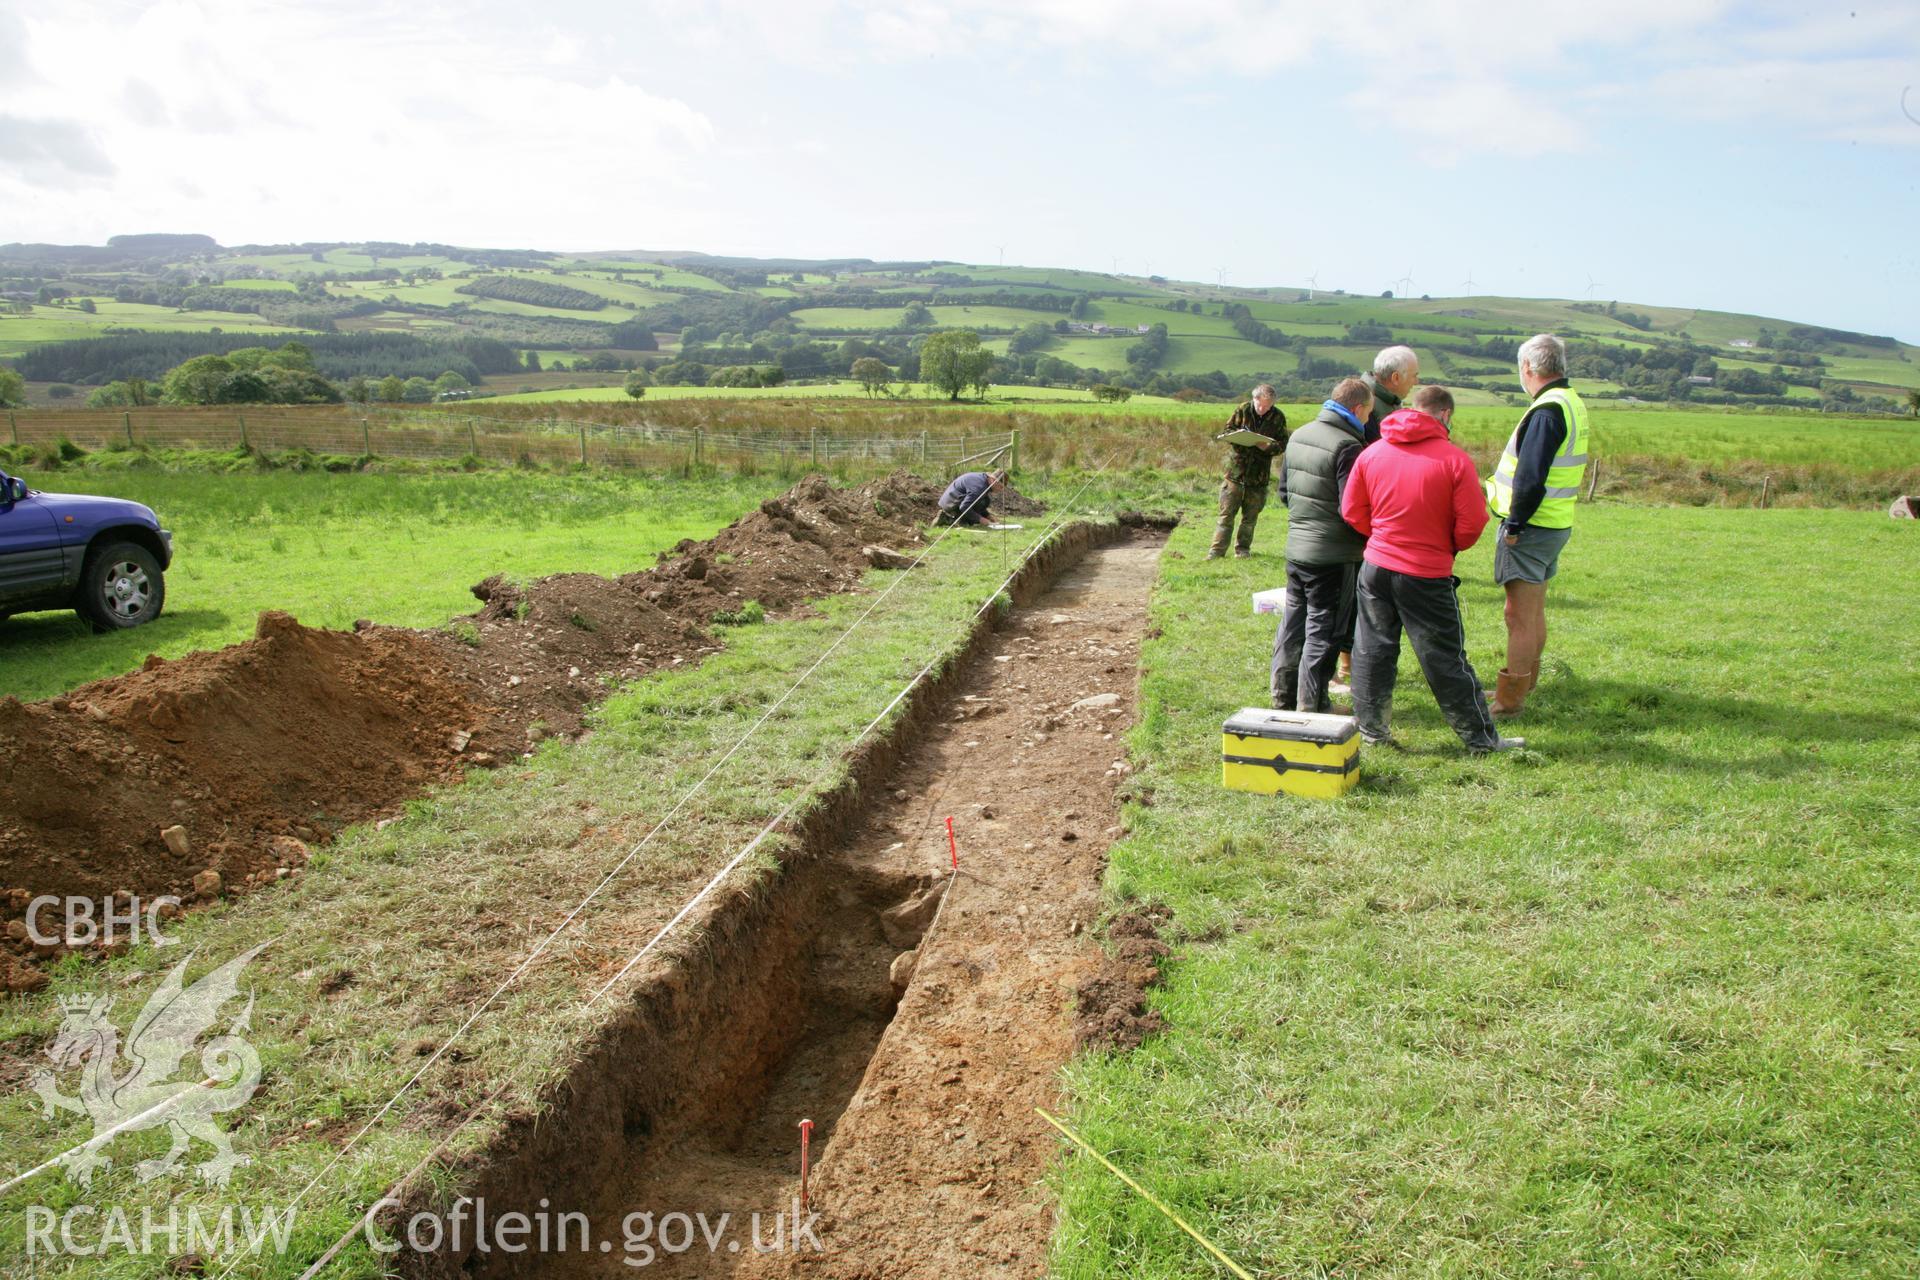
{"points": [[1249, 471], [966, 499], [1416, 498], [1323, 551], [1533, 491], [1396, 371]]}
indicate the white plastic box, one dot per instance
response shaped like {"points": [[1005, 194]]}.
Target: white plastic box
{"points": [[1270, 601]]}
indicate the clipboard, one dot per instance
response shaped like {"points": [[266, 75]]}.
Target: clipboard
{"points": [[1245, 437]]}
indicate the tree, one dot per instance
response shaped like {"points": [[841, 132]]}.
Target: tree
{"points": [[358, 390], [87, 305], [636, 384], [450, 381], [953, 360], [416, 391], [872, 374], [1150, 350], [533, 362], [134, 393], [1031, 337], [391, 389], [916, 317], [1080, 308], [13, 389], [196, 381], [1111, 394]]}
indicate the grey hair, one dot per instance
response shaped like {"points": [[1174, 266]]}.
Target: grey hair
{"points": [[1545, 354], [1392, 360], [1266, 387]]}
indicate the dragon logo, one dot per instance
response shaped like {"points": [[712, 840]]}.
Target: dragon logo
{"points": [[145, 1095]]}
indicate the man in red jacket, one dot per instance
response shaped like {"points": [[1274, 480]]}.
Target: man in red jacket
{"points": [[1416, 498]]}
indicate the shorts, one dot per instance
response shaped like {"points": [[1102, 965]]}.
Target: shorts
{"points": [[1535, 558]]}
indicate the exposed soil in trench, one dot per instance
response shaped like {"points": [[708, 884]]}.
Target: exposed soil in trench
{"points": [[214, 773], [915, 1015]]}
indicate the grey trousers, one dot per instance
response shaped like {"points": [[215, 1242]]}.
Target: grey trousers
{"points": [[1311, 634], [1428, 610]]}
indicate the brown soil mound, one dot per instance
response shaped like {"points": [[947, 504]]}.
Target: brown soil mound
{"points": [[292, 734], [1111, 1006], [256, 749]]}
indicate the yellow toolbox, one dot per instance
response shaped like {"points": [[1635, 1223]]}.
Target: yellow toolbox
{"points": [[1298, 752]]}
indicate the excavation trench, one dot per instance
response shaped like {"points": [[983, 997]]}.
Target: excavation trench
{"points": [[914, 1015]]}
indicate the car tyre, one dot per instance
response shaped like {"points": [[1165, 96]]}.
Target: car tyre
{"points": [[121, 587]]}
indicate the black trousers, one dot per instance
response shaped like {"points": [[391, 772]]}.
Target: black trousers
{"points": [[1429, 611], [1313, 630]]}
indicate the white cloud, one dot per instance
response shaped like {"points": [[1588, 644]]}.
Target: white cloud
{"points": [[305, 122]]}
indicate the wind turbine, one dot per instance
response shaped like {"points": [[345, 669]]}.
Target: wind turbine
{"points": [[1003, 253], [1406, 283], [1219, 277], [1468, 282], [1313, 282], [1116, 264], [1592, 284]]}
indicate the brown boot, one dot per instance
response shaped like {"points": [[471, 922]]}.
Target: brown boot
{"points": [[1533, 678], [1510, 695]]}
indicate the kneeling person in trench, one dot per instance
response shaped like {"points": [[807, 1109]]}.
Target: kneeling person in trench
{"points": [[966, 499]]}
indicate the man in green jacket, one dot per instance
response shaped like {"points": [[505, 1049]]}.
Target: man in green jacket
{"points": [[1323, 550], [1249, 472], [1396, 372]]}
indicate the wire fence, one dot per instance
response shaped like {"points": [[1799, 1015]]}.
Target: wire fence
{"points": [[439, 436]]}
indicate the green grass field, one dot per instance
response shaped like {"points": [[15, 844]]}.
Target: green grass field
{"points": [[1203, 339], [400, 549], [64, 324], [1641, 1001]]}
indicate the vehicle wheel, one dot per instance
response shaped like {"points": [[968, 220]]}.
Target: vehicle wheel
{"points": [[121, 587]]}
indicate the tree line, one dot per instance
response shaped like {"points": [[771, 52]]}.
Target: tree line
{"points": [[149, 355]]}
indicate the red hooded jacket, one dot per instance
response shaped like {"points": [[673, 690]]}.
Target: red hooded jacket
{"points": [[1416, 496]]}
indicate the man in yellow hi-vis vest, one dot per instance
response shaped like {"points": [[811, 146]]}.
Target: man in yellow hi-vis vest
{"points": [[1532, 492]]}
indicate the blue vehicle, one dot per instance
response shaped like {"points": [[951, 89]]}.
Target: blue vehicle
{"points": [[103, 557]]}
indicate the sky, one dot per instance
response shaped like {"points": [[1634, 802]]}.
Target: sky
{"points": [[1746, 157]]}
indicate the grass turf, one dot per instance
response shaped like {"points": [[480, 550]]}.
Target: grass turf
{"points": [[1641, 1000]]}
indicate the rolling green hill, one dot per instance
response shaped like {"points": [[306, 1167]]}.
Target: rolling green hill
{"points": [[1049, 326]]}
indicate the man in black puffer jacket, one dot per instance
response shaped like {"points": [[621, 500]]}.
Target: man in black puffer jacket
{"points": [[1323, 551]]}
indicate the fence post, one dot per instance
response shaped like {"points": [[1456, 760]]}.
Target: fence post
{"points": [[126, 420], [243, 429], [14, 423], [583, 444], [1766, 488], [1593, 478], [923, 448], [813, 447], [473, 441], [366, 439], [696, 446], [1013, 461]]}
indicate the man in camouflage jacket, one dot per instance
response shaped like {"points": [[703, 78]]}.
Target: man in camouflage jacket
{"points": [[1249, 472]]}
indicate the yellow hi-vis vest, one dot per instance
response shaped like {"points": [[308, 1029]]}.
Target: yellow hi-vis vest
{"points": [[1563, 474]]}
